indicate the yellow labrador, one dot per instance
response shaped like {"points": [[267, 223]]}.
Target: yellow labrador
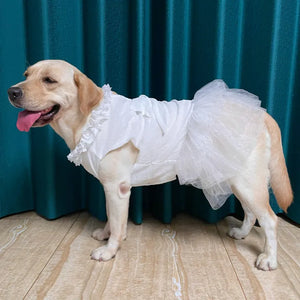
{"points": [[58, 94]]}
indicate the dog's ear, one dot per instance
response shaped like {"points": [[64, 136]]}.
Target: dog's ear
{"points": [[89, 94]]}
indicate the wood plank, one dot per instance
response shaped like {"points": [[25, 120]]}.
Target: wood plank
{"points": [[157, 261], [27, 242], [283, 283], [70, 269], [204, 261], [185, 260]]}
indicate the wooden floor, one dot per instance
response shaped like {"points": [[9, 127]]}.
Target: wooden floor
{"points": [[188, 259]]}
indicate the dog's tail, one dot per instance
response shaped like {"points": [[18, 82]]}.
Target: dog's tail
{"points": [[279, 180]]}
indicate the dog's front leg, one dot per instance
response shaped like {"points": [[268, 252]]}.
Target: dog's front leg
{"points": [[118, 197], [115, 170], [102, 234]]}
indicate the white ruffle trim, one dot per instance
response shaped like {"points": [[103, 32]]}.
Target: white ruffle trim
{"points": [[94, 125]]}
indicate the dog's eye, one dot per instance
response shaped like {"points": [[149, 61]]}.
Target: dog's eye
{"points": [[49, 80]]}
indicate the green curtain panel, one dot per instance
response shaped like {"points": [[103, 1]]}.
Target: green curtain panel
{"points": [[163, 48]]}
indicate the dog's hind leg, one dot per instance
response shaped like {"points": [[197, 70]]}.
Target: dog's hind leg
{"points": [[251, 188], [257, 203], [268, 259], [241, 232]]}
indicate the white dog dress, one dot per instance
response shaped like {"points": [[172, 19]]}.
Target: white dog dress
{"points": [[205, 142]]}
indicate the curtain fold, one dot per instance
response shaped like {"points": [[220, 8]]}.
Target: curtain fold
{"points": [[165, 49]]}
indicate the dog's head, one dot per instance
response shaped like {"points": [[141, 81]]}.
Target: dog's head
{"points": [[53, 89]]}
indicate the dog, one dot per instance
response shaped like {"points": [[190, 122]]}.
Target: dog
{"points": [[58, 94]]}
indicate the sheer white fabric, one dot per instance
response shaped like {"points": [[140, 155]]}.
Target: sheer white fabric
{"points": [[205, 142], [222, 132]]}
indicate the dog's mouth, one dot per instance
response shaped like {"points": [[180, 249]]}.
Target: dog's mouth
{"points": [[28, 118]]}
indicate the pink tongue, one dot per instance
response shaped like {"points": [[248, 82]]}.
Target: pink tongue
{"points": [[26, 119]]}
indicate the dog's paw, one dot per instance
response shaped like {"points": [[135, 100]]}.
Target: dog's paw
{"points": [[100, 234], [236, 233], [103, 253], [266, 262]]}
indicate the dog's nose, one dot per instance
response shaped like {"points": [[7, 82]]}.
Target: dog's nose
{"points": [[15, 93]]}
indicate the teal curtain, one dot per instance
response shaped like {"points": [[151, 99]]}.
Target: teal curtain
{"points": [[163, 48]]}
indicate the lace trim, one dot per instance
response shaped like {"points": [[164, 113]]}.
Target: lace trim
{"points": [[94, 125]]}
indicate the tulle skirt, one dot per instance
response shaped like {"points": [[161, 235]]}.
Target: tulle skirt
{"points": [[222, 132]]}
